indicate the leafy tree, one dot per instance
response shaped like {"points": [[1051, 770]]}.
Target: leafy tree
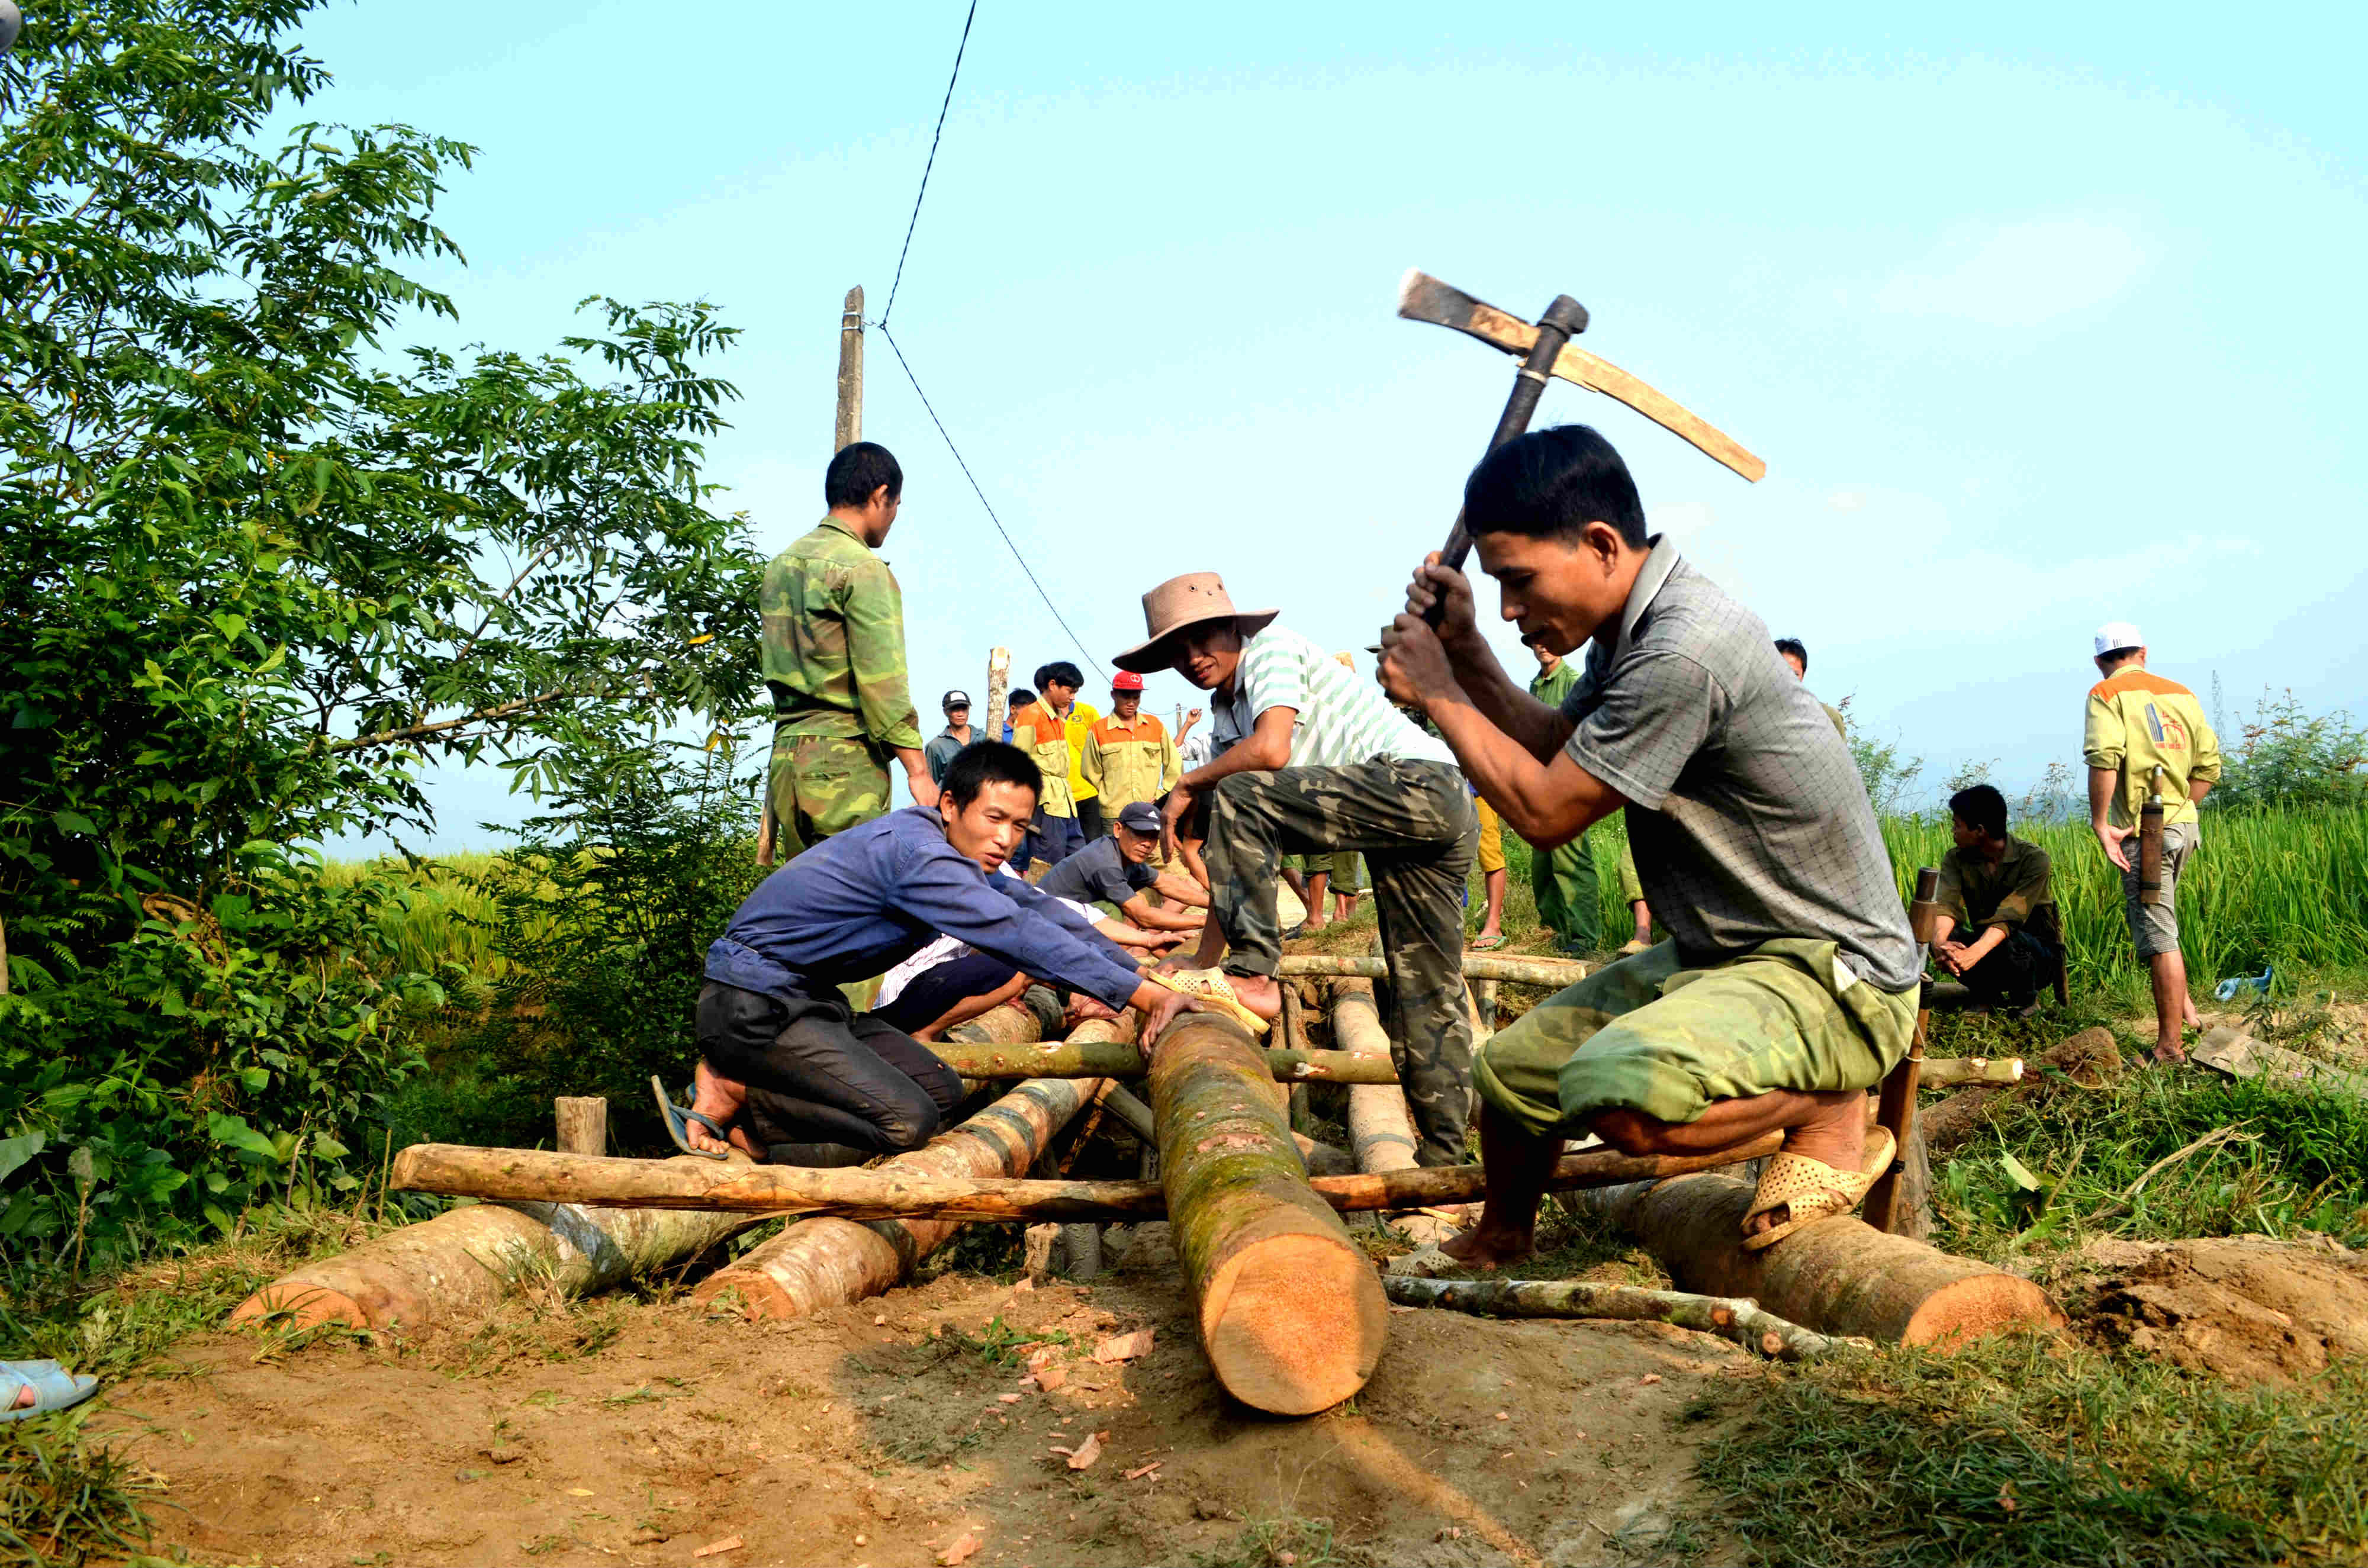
{"points": [[255, 566], [2291, 757]]}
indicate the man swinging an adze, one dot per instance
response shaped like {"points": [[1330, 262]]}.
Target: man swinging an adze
{"points": [[1785, 985]]}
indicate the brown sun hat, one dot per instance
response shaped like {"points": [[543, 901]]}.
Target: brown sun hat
{"points": [[1184, 601]]}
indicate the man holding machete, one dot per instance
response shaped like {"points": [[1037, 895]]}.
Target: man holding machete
{"points": [[1786, 987]]}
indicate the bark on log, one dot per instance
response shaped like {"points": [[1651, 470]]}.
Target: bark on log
{"points": [[1291, 1313], [463, 1263], [1839, 1276], [1380, 1128], [583, 1122], [1007, 1024], [894, 1191], [1081, 1057], [1557, 973], [830, 1262], [1739, 1319]]}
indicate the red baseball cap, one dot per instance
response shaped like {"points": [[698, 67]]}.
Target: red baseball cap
{"points": [[1126, 680]]}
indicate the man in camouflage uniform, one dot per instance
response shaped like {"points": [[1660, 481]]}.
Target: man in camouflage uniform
{"points": [[835, 660], [1310, 760], [1562, 878]]}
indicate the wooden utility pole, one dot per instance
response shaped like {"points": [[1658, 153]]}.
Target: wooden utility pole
{"points": [[845, 433], [850, 373], [998, 689]]}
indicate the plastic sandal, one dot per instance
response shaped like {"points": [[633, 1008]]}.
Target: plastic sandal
{"points": [[679, 1120], [53, 1387], [1813, 1190], [1486, 944]]}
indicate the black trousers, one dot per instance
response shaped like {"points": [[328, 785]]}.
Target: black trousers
{"points": [[2011, 974], [1090, 819], [819, 1073]]}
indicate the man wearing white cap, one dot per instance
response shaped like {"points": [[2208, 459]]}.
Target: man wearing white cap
{"points": [[2139, 722]]}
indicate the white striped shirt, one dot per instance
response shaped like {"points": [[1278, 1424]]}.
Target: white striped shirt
{"points": [[1343, 719]]}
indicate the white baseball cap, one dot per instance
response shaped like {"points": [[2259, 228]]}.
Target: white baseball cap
{"points": [[2116, 635]]}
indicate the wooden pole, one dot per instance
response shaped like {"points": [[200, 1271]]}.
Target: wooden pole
{"points": [[892, 1192], [582, 1124], [1557, 973], [1839, 1276], [1381, 1127], [999, 692], [848, 428], [1080, 1058], [1738, 1319], [1291, 1313]]}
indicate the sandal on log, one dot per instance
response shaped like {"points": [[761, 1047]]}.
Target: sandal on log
{"points": [[679, 1120], [1212, 987], [1812, 1189]]}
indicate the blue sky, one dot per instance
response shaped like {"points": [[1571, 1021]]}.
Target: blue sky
{"points": [[2040, 319]]}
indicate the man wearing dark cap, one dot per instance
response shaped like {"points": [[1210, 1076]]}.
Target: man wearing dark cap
{"points": [[948, 741], [1310, 760], [1117, 871]]}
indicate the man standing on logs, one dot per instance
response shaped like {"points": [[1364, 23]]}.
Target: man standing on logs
{"points": [[787, 1070], [1311, 760], [1786, 987], [834, 644]]}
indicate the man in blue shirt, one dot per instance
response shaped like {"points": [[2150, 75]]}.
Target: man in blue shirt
{"points": [[786, 1067]]}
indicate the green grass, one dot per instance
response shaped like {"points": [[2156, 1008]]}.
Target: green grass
{"points": [[65, 1500], [2033, 1450]]}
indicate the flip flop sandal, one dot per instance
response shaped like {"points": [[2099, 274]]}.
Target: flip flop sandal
{"points": [[679, 1120], [1812, 1189], [53, 1387], [1209, 986], [1486, 943]]}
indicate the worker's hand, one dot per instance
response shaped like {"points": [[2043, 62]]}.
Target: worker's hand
{"points": [[1191, 717], [1084, 1009], [1180, 801], [1155, 1023], [1952, 957], [2111, 837], [1445, 585], [1413, 669]]}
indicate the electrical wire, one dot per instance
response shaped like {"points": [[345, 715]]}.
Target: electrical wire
{"points": [[911, 222], [982, 501]]}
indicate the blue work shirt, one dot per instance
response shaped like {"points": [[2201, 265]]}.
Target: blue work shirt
{"points": [[862, 901]]}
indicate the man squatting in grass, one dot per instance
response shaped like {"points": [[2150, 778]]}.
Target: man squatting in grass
{"points": [[2137, 722], [1311, 760], [1996, 884], [1786, 986], [787, 1070]]}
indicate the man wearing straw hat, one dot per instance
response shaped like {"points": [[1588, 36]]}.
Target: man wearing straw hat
{"points": [[1310, 760]]}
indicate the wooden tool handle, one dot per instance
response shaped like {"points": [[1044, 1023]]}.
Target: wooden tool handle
{"points": [[1564, 320]]}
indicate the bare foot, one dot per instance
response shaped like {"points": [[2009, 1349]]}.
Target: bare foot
{"points": [[1261, 993], [24, 1397], [2168, 1054], [1490, 1245], [1834, 1135], [719, 1100]]}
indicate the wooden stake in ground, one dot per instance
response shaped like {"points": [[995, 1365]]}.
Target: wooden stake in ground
{"points": [[1839, 1276], [1738, 1319], [582, 1124], [1291, 1312]]}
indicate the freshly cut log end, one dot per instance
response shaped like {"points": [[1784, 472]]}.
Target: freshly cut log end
{"points": [[1839, 1276], [1291, 1315]]}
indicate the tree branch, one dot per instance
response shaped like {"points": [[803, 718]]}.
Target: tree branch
{"points": [[419, 731]]}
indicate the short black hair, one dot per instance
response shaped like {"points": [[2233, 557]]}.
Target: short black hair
{"points": [[982, 763], [860, 467], [1021, 699], [1981, 807], [1550, 485], [1795, 647], [1060, 670]]}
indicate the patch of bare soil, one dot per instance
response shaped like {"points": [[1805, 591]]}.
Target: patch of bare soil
{"points": [[908, 1430], [2245, 1307]]}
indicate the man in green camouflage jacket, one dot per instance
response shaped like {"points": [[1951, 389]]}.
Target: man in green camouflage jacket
{"points": [[835, 660]]}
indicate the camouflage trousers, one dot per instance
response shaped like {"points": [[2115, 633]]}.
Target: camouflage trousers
{"points": [[1569, 903], [820, 785], [1415, 824]]}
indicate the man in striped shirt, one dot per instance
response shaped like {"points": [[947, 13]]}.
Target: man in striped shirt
{"points": [[1311, 760]]}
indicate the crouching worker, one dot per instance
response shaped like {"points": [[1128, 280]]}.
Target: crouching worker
{"points": [[1785, 985], [1995, 884], [787, 1070]]}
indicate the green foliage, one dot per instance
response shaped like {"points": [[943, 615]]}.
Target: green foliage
{"points": [[254, 568], [2290, 758], [65, 1498], [2031, 1450]]}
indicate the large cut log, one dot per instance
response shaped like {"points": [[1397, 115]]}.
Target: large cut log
{"points": [[1291, 1312], [1556, 972], [1082, 1057], [463, 1263], [1322, 1159], [1381, 1128], [1839, 1276], [1739, 1319], [895, 1191]]}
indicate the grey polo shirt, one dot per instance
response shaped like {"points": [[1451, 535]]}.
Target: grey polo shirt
{"points": [[1748, 816]]}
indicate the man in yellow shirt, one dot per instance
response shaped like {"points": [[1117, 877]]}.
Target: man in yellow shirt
{"points": [[2139, 722], [1128, 756]]}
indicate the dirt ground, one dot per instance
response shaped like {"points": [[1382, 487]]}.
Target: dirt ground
{"points": [[2244, 1308], [896, 1431]]}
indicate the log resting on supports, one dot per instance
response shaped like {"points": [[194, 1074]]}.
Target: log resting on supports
{"points": [[1557, 973], [461, 1263], [892, 1192], [1291, 1313], [1381, 1127], [1080, 1056], [1739, 1319], [1838, 1275]]}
